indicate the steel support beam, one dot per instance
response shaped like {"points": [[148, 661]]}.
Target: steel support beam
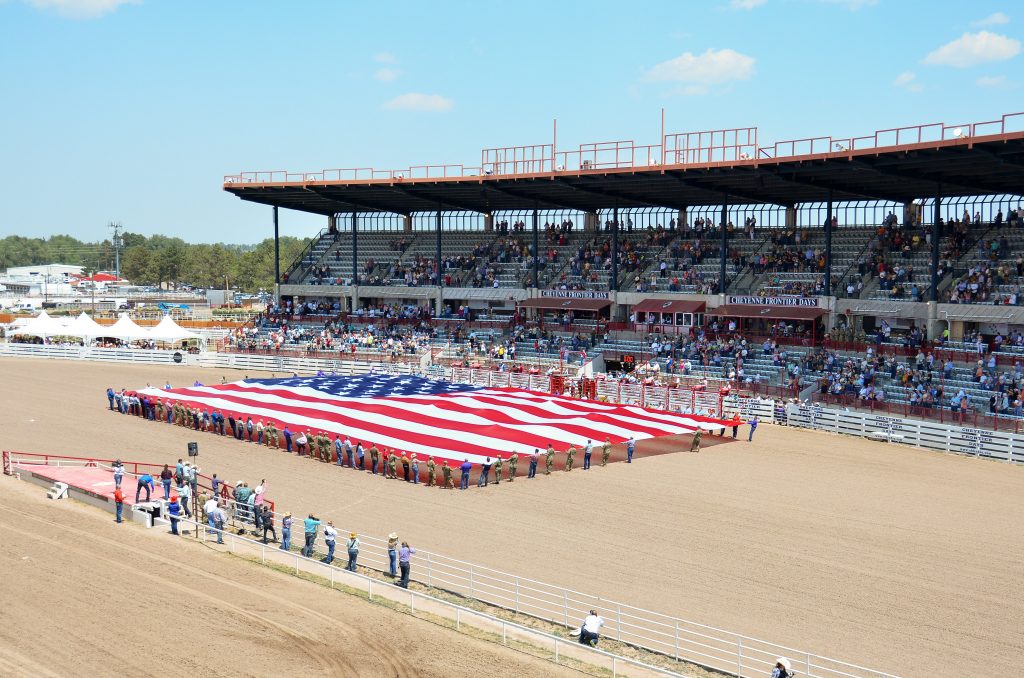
{"points": [[277, 251], [933, 290], [355, 249], [828, 245], [613, 282], [440, 269], [536, 248], [723, 247]]}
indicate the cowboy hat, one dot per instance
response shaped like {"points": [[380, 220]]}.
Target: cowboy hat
{"points": [[352, 535], [393, 535], [785, 664]]}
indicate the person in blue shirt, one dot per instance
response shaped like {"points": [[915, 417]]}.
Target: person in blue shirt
{"points": [[145, 483], [753, 427], [466, 467], [311, 524], [174, 510], [110, 398], [338, 450], [630, 448], [287, 439]]}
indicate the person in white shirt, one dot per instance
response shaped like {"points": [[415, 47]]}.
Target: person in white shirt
{"points": [[331, 538], [591, 630]]}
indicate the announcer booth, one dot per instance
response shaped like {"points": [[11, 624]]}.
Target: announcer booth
{"points": [[798, 324], [668, 315], [568, 309]]}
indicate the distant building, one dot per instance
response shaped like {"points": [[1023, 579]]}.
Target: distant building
{"points": [[52, 270]]}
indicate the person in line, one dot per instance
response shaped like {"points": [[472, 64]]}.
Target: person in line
{"points": [[165, 480], [311, 524], [393, 555], [753, 427], [330, 536], [695, 444], [348, 453], [361, 454], [145, 483], [446, 475], [497, 469], [783, 668], [606, 451], [405, 468], [513, 461], [532, 473], [118, 504], [404, 556], [353, 551], [287, 440], [431, 471], [415, 463], [587, 452], [374, 458], [549, 459], [485, 472], [174, 511], [267, 520], [570, 456], [118, 474], [339, 449], [286, 532], [466, 467], [590, 632], [630, 448]]}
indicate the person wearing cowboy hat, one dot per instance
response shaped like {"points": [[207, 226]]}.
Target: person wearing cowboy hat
{"points": [[353, 551], [393, 555], [783, 669]]}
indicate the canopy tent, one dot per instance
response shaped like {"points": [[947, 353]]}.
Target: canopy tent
{"points": [[85, 327], [43, 326], [125, 329], [168, 330]]}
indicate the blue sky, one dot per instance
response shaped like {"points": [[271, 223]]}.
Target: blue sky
{"points": [[134, 110]]}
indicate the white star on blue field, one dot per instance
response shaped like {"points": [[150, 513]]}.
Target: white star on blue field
{"points": [[370, 385]]}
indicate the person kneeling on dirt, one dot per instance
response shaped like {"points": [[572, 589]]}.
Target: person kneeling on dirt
{"points": [[591, 630]]}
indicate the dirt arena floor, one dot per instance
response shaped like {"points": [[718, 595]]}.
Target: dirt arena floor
{"points": [[891, 557]]}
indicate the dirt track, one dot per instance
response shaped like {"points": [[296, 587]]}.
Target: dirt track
{"points": [[900, 559]]}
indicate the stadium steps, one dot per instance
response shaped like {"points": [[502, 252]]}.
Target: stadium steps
{"points": [[58, 491]]}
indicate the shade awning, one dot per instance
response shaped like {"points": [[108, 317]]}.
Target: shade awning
{"points": [[769, 312], [670, 306], [558, 303]]}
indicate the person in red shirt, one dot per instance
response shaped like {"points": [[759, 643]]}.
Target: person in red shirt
{"points": [[118, 503]]}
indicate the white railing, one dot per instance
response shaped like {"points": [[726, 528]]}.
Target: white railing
{"points": [[418, 601], [1001, 445]]}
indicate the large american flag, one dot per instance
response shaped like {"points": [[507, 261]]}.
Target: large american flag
{"points": [[432, 417]]}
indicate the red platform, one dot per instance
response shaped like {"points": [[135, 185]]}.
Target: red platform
{"points": [[96, 481]]}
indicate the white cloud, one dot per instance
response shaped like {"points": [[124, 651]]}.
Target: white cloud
{"points": [[996, 19], [971, 49], [991, 81], [386, 74], [852, 5], [385, 58], [414, 101], [908, 81], [709, 68], [81, 9], [746, 4]]}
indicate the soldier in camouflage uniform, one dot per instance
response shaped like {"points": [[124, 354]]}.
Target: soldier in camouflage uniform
{"points": [[513, 461], [695, 445], [430, 471], [606, 451], [497, 469], [271, 434], [570, 455], [374, 457], [446, 471], [160, 411], [549, 459], [392, 465]]}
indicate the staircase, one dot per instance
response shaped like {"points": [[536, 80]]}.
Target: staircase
{"points": [[58, 491]]}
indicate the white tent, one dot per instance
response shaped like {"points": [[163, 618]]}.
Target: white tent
{"points": [[42, 326], [85, 327], [168, 330], [125, 329]]}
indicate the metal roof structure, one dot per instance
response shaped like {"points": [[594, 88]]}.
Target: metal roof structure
{"points": [[685, 170]]}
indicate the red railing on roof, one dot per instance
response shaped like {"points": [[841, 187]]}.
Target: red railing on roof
{"points": [[684, 149]]}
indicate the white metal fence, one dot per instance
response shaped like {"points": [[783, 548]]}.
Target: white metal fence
{"points": [[560, 648], [1001, 445]]}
